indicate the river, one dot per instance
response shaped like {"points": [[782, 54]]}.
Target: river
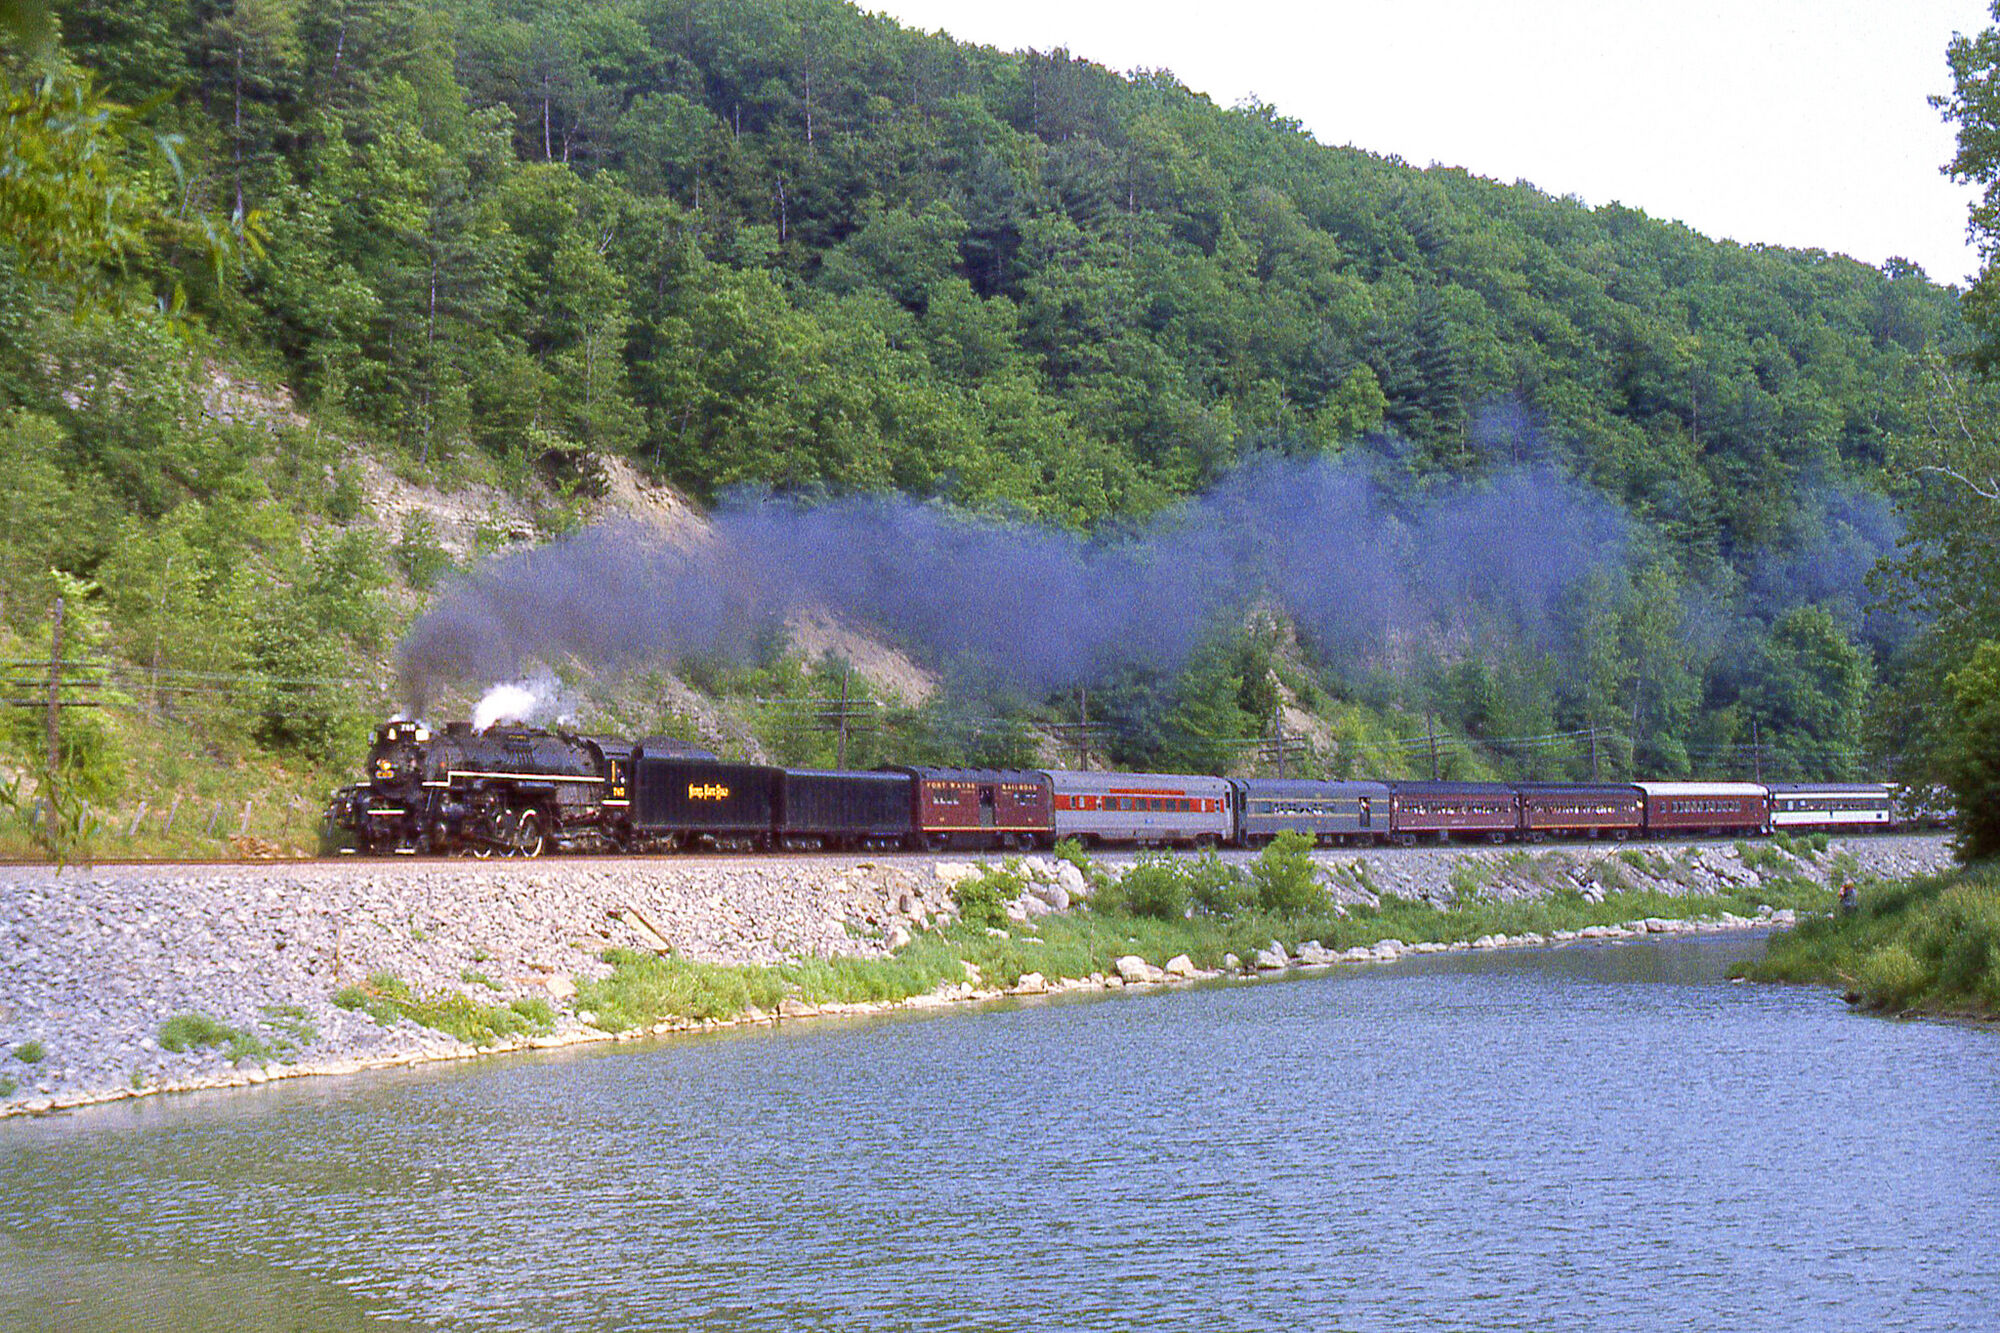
{"points": [[1584, 1138]]}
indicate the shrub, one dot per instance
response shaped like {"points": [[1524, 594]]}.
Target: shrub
{"points": [[1218, 889], [1156, 887], [982, 900], [30, 1052], [1284, 877], [1891, 977], [418, 554]]}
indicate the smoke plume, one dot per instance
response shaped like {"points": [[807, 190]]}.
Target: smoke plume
{"points": [[1040, 607]]}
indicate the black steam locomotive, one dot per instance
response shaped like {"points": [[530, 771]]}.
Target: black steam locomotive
{"points": [[519, 791], [512, 790]]}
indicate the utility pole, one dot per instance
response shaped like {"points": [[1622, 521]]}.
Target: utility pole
{"points": [[1077, 736], [840, 751], [1430, 720], [55, 686], [1593, 752], [1278, 729], [1083, 723], [1756, 750]]}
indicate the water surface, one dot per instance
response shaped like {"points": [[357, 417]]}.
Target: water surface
{"points": [[1594, 1137]]}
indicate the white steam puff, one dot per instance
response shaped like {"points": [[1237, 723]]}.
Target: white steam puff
{"points": [[534, 700], [504, 703]]}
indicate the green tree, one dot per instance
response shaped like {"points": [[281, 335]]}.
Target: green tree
{"points": [[1810, 697], [1972, 761]]}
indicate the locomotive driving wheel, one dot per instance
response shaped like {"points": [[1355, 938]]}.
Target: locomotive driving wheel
{"points": [[525, 837]]}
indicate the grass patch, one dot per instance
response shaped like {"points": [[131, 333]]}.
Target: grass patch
{"points": [[7, 1086], [387, 998], [30, 1052], [197, 1031], [1931, 945], [1161, 907]]}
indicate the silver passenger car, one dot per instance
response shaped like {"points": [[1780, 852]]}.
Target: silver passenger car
{"points": [[1159, 809]]}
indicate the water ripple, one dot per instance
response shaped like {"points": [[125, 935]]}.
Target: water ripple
{"points": [[1582, 1139]]}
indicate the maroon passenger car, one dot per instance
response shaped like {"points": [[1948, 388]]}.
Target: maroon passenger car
{"points": [[1705, 807], [981, 807], [1587, 809], [1445, 810]]}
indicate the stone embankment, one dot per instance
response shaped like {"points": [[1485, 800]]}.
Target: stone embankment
{"points": [[95, 962]]}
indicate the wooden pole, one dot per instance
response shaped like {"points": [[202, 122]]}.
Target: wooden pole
{"points": [[840, 759], [55, 688], [1083, 718]]}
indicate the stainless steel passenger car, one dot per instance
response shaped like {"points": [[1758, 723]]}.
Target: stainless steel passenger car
{"points": [[1830, 806], [1332, 812], [1160, 809]]}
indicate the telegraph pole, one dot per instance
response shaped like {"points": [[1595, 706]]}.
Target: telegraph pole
{"points": [[840, 752], [1593, 752], [1078, 735], [1430, 720], [55, 686]]}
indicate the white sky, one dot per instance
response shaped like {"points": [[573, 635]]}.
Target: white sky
{"points": [[1788, 122]]}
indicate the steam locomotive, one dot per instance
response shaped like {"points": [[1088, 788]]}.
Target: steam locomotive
{"points": [[520, 791]]}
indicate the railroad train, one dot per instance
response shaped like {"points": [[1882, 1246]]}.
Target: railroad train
{"points": [[520, 791]]}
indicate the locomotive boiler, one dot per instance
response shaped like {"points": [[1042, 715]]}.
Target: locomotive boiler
{"points": [[511, 790]]}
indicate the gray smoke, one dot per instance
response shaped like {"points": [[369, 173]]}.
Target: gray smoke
{"points": [[1041, 608], [1838, 536]]}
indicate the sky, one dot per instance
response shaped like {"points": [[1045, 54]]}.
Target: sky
{"points": [[1787, 122]]}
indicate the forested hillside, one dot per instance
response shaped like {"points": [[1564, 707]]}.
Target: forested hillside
{"points": [[789, 245]]}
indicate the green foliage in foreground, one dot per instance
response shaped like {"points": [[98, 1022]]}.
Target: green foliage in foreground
{"points": [[1282, 881], [645, 989], [387, 998], [1929, 946]]}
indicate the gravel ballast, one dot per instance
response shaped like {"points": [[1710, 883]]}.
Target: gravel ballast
{"points": [[94, 961]]}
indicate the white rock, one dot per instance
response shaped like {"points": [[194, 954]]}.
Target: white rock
{"points": [[1031, 983], [1360, 953], [1272, 958], [899, 937], [1231, 963], [1135, 971], [1180, 965], [1314, 954], [953, 873], [1051, 894], [1071, 880]]}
